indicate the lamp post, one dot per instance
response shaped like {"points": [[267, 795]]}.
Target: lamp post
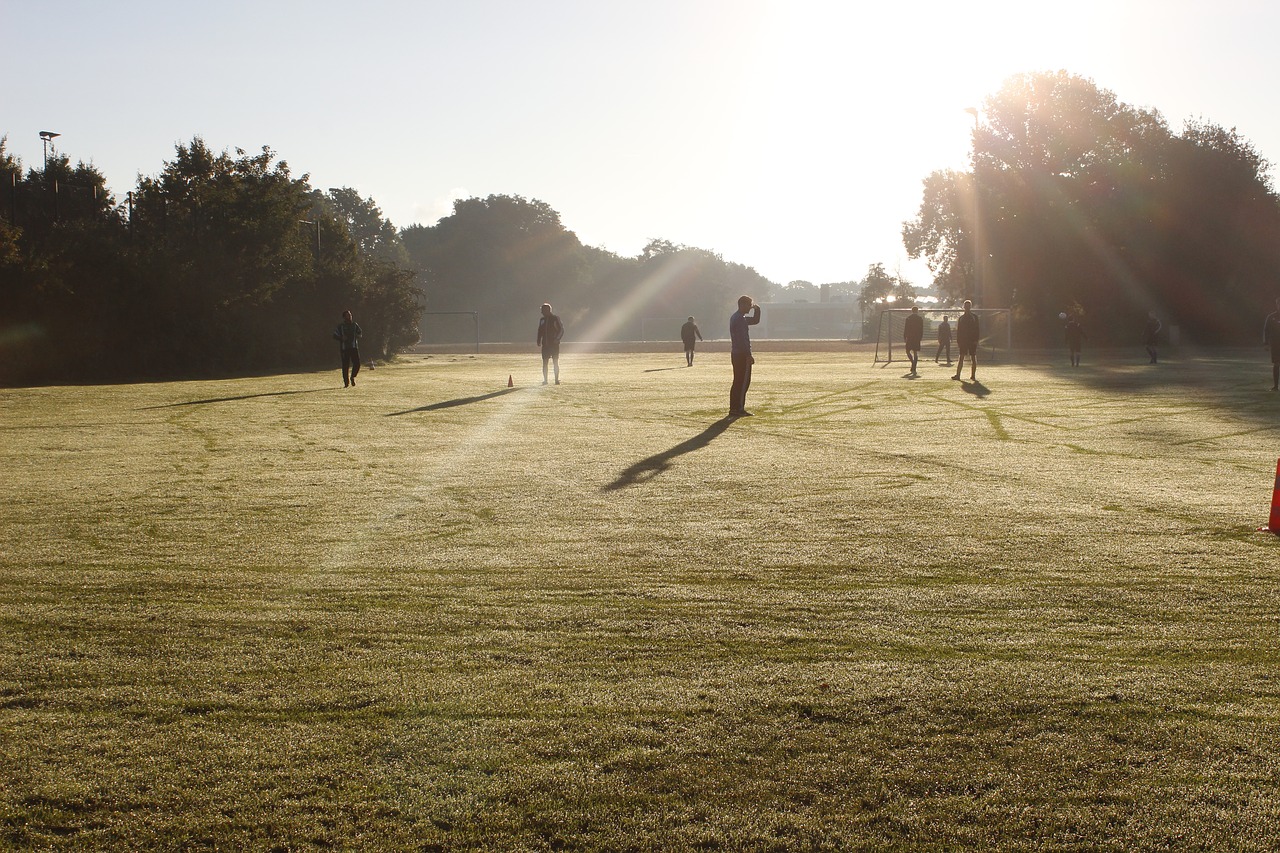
{"points": [[977, 216], [47, 136]]}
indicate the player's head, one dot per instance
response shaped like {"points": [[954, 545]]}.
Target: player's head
{"points": [[546, 309], [915, 309], [744, 302], [691, 319], [968, 305], [346, 315]]}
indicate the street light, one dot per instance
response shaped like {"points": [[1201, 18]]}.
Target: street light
{"points": [[47, 136], [977, 216]]}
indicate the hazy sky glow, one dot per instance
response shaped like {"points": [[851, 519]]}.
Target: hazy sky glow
{"points": [[790, 136]]}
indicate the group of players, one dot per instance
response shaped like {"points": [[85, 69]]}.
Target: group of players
{"points": [[551, 331]]}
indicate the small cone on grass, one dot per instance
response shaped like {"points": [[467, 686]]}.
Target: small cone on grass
{"points": [[1273, 524], [510, 384]]}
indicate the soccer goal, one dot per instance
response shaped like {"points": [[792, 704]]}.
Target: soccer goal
{"points": [[995, 332]]}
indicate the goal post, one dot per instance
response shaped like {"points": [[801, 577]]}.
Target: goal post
{"points": [[995, 331]]}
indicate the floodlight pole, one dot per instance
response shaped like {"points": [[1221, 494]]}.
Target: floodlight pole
{"points": [[47, 136]]}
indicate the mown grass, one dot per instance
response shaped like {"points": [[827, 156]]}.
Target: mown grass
{"points": [[432, 612]]}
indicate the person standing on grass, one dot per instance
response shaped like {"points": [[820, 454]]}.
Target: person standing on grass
{"points": [[1271, 338], [740, 354], [967, 341], [347, 334], [1151, 334], [944, 340], [550, 331], [913, 335], [1075, 337], [688, 332]]}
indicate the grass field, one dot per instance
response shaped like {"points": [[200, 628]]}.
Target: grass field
{"points": [[433, 612]]}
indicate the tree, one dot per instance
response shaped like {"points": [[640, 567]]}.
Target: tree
{"points": [[363, 219], [1077, 197], [501, 256]]}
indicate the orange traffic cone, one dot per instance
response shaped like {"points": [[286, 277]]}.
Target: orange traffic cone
{"points": [[510, 384], [1273, 525]]}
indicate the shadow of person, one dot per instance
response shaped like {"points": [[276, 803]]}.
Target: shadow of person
{"points": [[652, 466], [975, 388], [234, 399], [449, 404], [660, 369]]}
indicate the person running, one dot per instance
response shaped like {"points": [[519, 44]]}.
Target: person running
{"points": [[740, 354], [1151, 334], [944, 340], [1075, 337], [967, 341], [347, 334], [1271, 338], [550, 331], [688, 332], [913, 335]]}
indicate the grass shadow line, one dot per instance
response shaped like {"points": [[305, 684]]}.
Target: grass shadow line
{"points": [[234, 399], [652, 466], [449, 404]]}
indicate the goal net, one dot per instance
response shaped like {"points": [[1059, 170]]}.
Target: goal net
{"points": [[995, 333]]}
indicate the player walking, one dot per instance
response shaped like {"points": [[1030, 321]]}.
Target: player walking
{"points": [[944, 340], [347, 334], [688, 332]]}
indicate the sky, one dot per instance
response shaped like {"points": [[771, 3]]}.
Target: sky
{"points": [[791, 136]]}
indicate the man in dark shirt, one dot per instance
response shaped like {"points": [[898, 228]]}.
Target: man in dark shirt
{"points": [[913, 334], [944, 340], [740, 353], [967, 341], [688, 332], [550, 331], [1075, 338], [347, 334], [1271, 338]]}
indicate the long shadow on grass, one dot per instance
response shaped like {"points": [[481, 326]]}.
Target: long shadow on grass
{"points": [[660, 369], [233, 399], [975, 388], [652, 466], [449, 404]]}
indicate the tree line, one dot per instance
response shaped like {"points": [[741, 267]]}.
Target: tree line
{"points": [[220, 265], [1079, 203], [225, 263]]}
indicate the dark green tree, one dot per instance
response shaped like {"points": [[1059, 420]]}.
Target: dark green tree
{"points": [[1077, 198]]}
